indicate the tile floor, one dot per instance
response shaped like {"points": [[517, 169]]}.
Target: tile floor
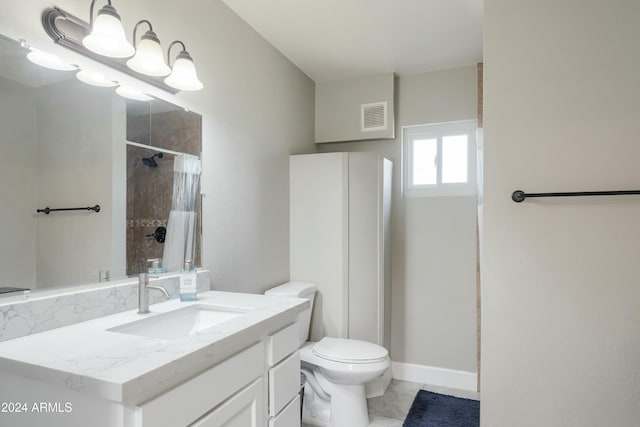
{"points": [[391, 409]]}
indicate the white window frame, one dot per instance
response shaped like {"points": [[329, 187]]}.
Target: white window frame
{"points": [[438, 131]]}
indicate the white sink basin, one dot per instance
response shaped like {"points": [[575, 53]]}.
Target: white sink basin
{"points": [[181, 322]]}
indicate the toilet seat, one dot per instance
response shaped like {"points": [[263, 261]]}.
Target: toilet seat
{"points": [[365, 365], [349, 351]]}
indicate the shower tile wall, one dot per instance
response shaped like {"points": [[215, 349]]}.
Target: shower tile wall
{"points": [[148, 205], [174, 130], [178, 131], [149, 190]]}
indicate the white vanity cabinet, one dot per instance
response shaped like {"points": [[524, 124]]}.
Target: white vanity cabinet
{"points": [[271, 398], [283, 361], [256, 387], [244, 372]]}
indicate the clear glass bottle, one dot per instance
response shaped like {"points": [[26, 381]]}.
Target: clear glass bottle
{"points": [[188, 282]]}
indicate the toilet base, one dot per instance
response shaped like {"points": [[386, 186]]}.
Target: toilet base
{"points": [[347, 407], [315, 410]]}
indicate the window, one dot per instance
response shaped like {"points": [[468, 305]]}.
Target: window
{"points": [[440, 159]]}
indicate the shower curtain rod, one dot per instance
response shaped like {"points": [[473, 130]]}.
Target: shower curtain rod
{"points": [[162, 150], [519, 195], [47, 210]]}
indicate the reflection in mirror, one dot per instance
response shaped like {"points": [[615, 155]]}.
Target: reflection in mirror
{"points": [[156, 135], [63, 145]]}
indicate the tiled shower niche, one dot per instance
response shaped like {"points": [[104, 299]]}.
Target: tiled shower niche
{"points": [[150, 189]]}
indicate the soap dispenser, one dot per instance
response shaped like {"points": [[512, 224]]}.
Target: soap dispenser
{"points": [[188, 281]]}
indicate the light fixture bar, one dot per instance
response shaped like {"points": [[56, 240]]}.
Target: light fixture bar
{"points": [[64, 28], [67, 30]]}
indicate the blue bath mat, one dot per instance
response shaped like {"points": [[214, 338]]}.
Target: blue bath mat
{"points": [[437, 410]]}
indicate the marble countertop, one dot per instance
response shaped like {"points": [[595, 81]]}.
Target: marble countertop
{"points": [[88, 358]]}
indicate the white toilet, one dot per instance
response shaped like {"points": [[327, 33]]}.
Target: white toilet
{"points": [[337, 369]]}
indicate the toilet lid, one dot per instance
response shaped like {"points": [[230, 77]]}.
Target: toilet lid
{"points": [[349, 351]]}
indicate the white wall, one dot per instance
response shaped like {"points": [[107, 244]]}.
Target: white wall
{"points": [[18, 140], [338, 115], [561, 292], [433, 239], [257, 109]]}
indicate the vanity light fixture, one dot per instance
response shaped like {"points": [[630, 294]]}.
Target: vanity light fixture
{"points": [[49, 60], [105, 42], [183, 73], [95, 78], [131, 93], [107, 35], [149, 58]]}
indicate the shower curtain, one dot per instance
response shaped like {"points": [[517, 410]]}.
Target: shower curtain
{"points": [[179, 243]]}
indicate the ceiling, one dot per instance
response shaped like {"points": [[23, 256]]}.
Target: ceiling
{"points": [[342, 39]]}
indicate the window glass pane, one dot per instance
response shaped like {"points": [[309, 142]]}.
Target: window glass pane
{"points": [[454, 159], [424, 161]]}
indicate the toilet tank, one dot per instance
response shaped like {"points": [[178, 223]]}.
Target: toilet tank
{"points": [[304, 290]]}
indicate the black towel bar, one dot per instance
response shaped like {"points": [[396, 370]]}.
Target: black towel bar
{"points": [[519, 195], [47, 210]]}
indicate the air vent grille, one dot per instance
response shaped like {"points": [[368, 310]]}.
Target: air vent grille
{"points": [[374, 116]]}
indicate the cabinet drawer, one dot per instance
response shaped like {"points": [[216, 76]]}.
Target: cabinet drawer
{"points": [[289, 417], [244, 409], [189, 401], [282, 343], [284, 383]]}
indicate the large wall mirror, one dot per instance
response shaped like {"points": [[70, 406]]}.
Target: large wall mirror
{"points": [[66, 144]]}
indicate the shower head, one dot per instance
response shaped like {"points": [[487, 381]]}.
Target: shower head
{"points": [[150, 161]]}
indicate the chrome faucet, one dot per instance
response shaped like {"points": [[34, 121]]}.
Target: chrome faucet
{"points": [[143, 292]]}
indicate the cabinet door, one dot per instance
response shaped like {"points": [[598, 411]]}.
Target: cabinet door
{"points": [[181, 405], [318, 218], [366, 248], [243, 409]]}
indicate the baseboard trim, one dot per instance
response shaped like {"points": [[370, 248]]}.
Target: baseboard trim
{"points": [[442, 377]]}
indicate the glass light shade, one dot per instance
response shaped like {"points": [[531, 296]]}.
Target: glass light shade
{"points": [[49, 60], [183, 75], [149, 58], [107, 36], [95, 78], [131, 93]]}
